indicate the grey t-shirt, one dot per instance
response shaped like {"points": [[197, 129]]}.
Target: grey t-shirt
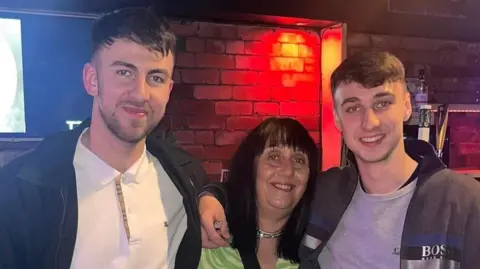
{"points": [[369, 233]]}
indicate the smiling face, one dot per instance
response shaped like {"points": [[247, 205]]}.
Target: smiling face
{"points": [[371, 120], [131, 86], [282, 176]]}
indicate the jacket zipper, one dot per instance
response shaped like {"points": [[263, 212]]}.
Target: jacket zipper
{"points": [[60, 230]]}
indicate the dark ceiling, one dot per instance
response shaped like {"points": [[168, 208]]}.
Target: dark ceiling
{"points": [[445, 19]]}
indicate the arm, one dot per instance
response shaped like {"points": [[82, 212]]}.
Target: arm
{"points": [[471, 248]]}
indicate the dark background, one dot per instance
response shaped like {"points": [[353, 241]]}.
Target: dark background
{"points": [[449, 19]]}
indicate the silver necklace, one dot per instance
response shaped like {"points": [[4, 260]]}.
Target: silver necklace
{"points": [[263, 234]]}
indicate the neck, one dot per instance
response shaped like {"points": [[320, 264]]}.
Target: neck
{"points": [[389, 175], [271, 224], [267, 253], [116, 153]]}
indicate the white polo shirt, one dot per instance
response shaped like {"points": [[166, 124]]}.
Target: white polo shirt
{"points": [[156, 216]]}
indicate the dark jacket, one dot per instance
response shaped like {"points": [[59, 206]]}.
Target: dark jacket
{"points": [[442, 221], [39, 210]]}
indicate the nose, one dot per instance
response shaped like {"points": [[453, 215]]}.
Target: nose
{"points": [[370, 120], [286, 168], [142, 90]]}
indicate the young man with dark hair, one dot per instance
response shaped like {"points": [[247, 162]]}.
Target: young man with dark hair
{"points": [[109, 194], [395, 205]]}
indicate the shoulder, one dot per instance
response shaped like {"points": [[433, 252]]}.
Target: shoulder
{"points": [[458, 189]]}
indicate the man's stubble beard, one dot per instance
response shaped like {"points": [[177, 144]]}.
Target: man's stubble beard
{"points": [[115, 127]]}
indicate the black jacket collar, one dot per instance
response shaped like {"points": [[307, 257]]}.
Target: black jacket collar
{"points": [[56, 152]]}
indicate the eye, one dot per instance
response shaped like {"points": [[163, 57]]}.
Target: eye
{"points": [[383, 104], [273, 157], [124, 72], [157, 79], [300, 160], [352, 109]]}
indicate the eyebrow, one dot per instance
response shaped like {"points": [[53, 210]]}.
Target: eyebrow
{"points": [[133, 67], [376, 96]]}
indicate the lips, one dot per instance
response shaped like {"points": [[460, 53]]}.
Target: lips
{"points": [[283, 187], [372, 139], [135, 111]]}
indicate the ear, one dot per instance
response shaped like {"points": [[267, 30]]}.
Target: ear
{"points": [[170, 85], [90, 79], [338, 122], [408, 107]]}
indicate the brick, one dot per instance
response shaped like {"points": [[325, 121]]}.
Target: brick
{"points": [[239, 77], [251, 93], [213, 178], [206, 122], [255, 32], [195, 151], [171, 107], [185, 60], [195, 107], [282, 94], [204, 137], [412, 43], [220, 152], [287, 64], [215, 46], [271, 109], [216, 30], [358, 40], [179, 122], [299, 108], [290, 50], [256, 48], [258, 63], [199, 76], [315, 136], [310, 93], [235, 47], [243, 123], [182, 91], [195, 45], [215, 60], [212, 168], [177, 78], [310, 123], [184, 29], [386, 41], [223, 138], [307, 93], [185, 137], [213, 92], [233, 108]]}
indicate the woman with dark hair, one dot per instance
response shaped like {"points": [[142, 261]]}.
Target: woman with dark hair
{"points": [[269, 187]]}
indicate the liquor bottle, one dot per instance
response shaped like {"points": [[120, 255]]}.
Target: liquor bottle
{"points": [[421, 93]]}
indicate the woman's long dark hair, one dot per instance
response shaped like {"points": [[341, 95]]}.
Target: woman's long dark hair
{"points": [[240, 185]]}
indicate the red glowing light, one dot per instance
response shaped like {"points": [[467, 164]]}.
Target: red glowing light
{"points": [[332, 56], [299, 65]]}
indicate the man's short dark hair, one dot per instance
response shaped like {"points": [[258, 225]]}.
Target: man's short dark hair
{"points": [[140, 25], [369, 69]]}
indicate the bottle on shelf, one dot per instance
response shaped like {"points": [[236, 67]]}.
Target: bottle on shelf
{"points": [[421, 93]]}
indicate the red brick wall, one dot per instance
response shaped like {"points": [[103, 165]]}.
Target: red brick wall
{"points": [[453, 70], [230, 77]]}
